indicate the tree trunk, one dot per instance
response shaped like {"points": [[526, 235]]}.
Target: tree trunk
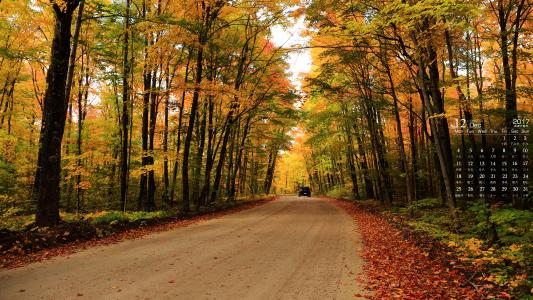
{"points": [[190, 127], [510, 96], [238, 159], [145, 160], [154, 102], [200, 155], [234, 137], [221, 159], [53, 119], [464, 105], [180, 125], [401, 147], [441, 139], [72, 58], [369, 190], [413, 145], [165, 196], [83, 93], [124, 170], [350, 155], [270, 170], [442, 130], [209, 155]]}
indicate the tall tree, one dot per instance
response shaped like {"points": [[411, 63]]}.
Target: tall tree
{"points": [[54, 117], [124, 169], [511, 16], [208, 13]]}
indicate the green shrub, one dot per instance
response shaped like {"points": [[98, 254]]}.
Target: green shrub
{"points": [[8, 175], [108, 217], [146, 215], [339, 192], [513, 225], [114, 216], [12, 216], [434, 230], [427, 203], [480, 213]]}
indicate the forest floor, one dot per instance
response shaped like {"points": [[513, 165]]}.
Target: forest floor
{"points": [[291, 248], [402, 263]]}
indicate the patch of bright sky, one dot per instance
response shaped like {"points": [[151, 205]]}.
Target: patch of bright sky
{"points": [[300, 61]]}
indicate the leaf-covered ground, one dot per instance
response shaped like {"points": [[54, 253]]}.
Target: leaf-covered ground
{"points": [[398, 268], [21, 248]]}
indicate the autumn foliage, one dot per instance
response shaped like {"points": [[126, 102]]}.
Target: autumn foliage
{"points": [[397, 267]]}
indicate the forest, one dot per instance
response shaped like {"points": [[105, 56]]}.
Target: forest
{"points": [[161, 108], [119, 109]]}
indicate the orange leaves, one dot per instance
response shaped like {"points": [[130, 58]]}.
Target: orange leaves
{"points": [[397, 268]]}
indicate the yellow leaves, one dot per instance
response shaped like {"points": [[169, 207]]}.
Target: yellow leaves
{"points": [[504, 281], [298, 12], [472, 251], [518, 280], [474, 245], [513, 254], [62, 5], [513, 230], [515, 247], [492, 278], [138, 172], [291, 168], [486, 260], [94, 215], [74, 171], [8, 144], [452, 244], [83, 185]]}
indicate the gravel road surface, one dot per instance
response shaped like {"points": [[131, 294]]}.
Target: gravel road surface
{"points": [[291, 248]]}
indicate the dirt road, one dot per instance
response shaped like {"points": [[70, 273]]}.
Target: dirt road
{"points": [[292, 248]]}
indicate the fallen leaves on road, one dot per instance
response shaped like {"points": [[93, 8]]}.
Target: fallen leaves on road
{"points": [[397, 268]]}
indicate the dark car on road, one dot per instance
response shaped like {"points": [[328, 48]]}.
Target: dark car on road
{"points": [[304, 191]]}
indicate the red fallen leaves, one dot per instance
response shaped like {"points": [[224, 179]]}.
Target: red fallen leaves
{"points": [[11, 260], [397, 268]]}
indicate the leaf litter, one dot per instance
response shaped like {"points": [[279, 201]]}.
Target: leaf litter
{"points": [[396, 267]]}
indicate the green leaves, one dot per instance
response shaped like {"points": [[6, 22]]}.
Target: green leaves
{"points": [[113, 216], [412, 15]]}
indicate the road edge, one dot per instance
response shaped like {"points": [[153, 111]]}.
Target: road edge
{"points": [[13, 261]]}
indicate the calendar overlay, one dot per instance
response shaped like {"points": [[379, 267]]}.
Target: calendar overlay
{"points": [[497, 167]]}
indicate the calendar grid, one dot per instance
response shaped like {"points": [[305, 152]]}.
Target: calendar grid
{"points": [[496, 167]]}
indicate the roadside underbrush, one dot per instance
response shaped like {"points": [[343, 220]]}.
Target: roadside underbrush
{"points": [[497, 241], [20, 237], [493, 247]]}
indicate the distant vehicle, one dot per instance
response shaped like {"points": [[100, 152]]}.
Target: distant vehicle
{"points": [[304, 191]]}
